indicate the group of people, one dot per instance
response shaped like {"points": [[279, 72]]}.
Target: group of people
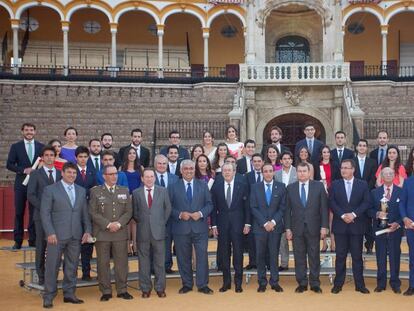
{"points": [[80, 197]]}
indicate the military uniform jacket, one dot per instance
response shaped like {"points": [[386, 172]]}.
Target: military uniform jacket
{"points": [[106, 207]]}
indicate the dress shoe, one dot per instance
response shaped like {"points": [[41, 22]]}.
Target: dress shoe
{"points": [[224, 288], [277, 288], [283, 268], [336, 289], [396, 290], [316, 289], [261, 289], [301, 289], [362, 290], [205, 290], [250, 267], [184, 290], [161, 294], [378, 289], [17, 245], [86, 278], [146, 294], [239, 289], [126, 296], [47, 304], [41, 281], [73, 300], [106, 297], [409, 291], [32, 244], [169, 271]]}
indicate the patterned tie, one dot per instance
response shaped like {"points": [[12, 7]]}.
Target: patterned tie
{"points": [[50, 177], [303, 195], [71, 195], [388, 194], [268, 193], [228, 195], [83, 175], [348, 190], [340, 155], [258, 177], [189, 193], [162, 182], [96, 164], [30, 151], [173, 168], [149, 198], [310, 146], [381, 157]]}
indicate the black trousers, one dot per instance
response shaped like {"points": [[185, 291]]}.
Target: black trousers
{"points": [[227, 242], [20, 199], [268, 242], [41, 243], [86, 255]]}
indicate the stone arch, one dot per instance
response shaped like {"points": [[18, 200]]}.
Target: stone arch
{"points": [[7, 8], [221, 12], [97, 6], [149, 9], [193, 10], [50, 4], [374, 11], [395, 10]]}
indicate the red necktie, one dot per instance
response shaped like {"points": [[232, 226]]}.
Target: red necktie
{"points": [[388, 194], [83, 174], [149, 198]]}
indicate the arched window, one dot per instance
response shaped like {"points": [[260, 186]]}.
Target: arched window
{"points": [[292, 49]]}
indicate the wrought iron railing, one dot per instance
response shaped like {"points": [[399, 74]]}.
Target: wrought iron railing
{"points": [[381, 72]]}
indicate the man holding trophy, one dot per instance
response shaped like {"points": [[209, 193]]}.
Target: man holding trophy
{"points": [[388, 230]]}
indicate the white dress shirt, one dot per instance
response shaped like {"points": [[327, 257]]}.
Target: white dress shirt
{"points": [[138, 149], [248, 164], [165, 177], [306, 188], [286, 176], [172, 166], [53, 172], [226, 185]]}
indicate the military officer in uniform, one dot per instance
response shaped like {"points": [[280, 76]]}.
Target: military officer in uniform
{"points": [[111, 210]]}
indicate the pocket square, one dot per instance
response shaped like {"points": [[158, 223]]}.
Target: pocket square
{"points": [[398, 200]]}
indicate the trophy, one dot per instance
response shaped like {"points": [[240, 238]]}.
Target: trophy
{"points": [[383, 221]]}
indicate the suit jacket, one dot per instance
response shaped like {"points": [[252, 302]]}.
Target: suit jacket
{"points": [[393, 205], [235, 216], [316, 151], [242, 166], [346, 154], [374, 155], [151, 222], [262, 212], [370, 168], [144, 156], [292, 177], [335, 171], [183, 153], [89, 182], [407, 199], [59, 217], [177, 169], [37, 182], [172, 179], [18, 161], [359, 203], [106, 207], [282, 149], [91, 164], [314, 215], [201, 202]]}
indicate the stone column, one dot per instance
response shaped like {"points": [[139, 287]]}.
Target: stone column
{"points": [[65, 30], [206, 35], [15, 27], [339, 33], [251, 122], [384, 60], [114, 30], [250, 54], [338, 118], [160, 34]]}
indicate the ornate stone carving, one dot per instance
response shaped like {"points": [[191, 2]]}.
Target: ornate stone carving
{"points": [[294, 96]]}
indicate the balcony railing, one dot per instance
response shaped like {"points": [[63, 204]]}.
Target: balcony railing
{"points": [[286, 73], [381, 72]]}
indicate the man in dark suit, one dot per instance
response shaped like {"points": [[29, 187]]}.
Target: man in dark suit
{"points": [[39, 179], [191, 206], [349, 199], [314, 145], [379, 153], [95, 149], [22, 156], [268, 205], [142, 152], [307, 222], [245, 165], [108, 158], [86, 178], [65, 220], [152, 210], [388, 243], [230, 220], [173, 160], [407, 215], [276, 135], [340, 152], [106, 142], [165, 179], [175, 139], [366, 169]]}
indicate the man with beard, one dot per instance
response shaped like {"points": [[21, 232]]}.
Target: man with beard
{"points": [[276, 135], [94, 160], [142, 152], [106, 143]]}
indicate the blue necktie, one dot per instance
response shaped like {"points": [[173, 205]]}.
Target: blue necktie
{"points": [[189, 193], [162, 183], [258, 177], [381, 157], [268, 194], [303, 195]]}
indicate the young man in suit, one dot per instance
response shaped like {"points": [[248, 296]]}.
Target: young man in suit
{"points": [[365, 169], [230, 220], [152, 209], [379, 153], [106, 143], [22, 156], [276, 135], [191, 206], [165, 179], [307, 222], [95, 149], [108, 158], [65, 219], [340, 153], [388, 243], [349, 199], [314, 145], [39, 179], [111, 210], [267, 206], [175, 139], [142, 152], [173, 160], [245, 165]]}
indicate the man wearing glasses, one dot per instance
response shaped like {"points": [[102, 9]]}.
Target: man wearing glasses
{"points": [[175, 139]]}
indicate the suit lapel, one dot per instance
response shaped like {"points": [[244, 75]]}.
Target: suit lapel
{"points": [[44, 176], [142, 194], [310, 194], [62, 188]]}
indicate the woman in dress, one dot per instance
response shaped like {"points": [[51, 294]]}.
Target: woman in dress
{"points": [[272, 157], [409, 166], [132, 168], [203, 169], [304, 156], [208, 145], [221, 153], [196, 150], [68, 149], [57, 145], [392, 160], [235, 147]]}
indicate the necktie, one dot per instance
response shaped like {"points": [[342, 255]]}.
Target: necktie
{"points": [[96, 164], [348, 190], [189, 193], [258, 177], [173, 168], [162, 182], [388, 194], [50, 178], [361, 167], [251, 166], [111, 190], [228, 195], [149, 198], [381, 157], [83, 174], [268, 194], [71, 195], [340, 155], [310, 146], [30, 151], [303, 195]]}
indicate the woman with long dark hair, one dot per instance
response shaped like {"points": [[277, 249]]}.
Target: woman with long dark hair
{"points": [[409, 166], [68, 149], [222, 152], [304, 156], [392, 160], [272, 157], [203, 169], [235, 147], [208, 145], [196, 150], [57, 145]]}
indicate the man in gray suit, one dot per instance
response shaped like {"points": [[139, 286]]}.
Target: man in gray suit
{"points": [[39, 179], [306, 221], [152, 208], [191, 205], [65, 220], [286, 175]]}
